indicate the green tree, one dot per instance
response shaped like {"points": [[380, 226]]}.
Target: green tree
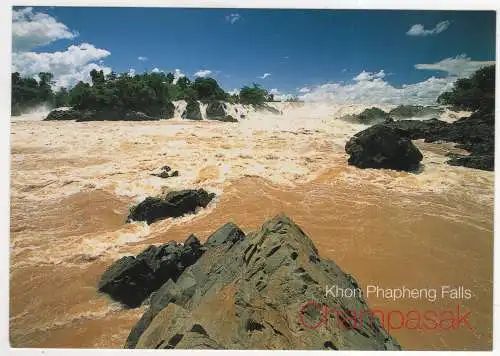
{"points": [[255, 95], [476, 92]]}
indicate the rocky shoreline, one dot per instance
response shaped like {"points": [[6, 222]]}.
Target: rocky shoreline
{"points": [[388, 144]]}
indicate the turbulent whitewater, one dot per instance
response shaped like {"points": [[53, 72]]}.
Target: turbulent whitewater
{"points": [[72, 184]]}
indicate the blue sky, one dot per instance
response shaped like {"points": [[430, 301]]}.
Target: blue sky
{"points": [[300, 49]]}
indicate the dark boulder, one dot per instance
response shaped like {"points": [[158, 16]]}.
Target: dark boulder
{"points": [[130, 280], [174, 204], [60, 115], [381, 146], [192, 111]]}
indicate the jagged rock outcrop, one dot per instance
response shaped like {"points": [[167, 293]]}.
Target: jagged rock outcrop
{"points": [[263, 291], [63, 114], [382, 146], [173, 204], [130, 280], [192, 111]]}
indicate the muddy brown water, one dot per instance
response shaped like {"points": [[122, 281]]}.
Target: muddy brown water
{"points": [[72, 185]]}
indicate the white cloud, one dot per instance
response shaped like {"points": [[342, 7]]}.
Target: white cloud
{"points": [[203, 73], [274, 91], [264, 76], [371, 88], [232, 18], [34, 29], [177, 75], [142, 58], [460, 66], [344, 70], [131, 72], [304, 90], [234, 92], [377, 90], [156, 70], [68, 66], [419, 30], [363, 76]]}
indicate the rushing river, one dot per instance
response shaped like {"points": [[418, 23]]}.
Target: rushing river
{"points": [[72, 184]]}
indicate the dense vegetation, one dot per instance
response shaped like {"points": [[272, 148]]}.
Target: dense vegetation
{"points": [[28, 92], [150, 93], [474, 93]]}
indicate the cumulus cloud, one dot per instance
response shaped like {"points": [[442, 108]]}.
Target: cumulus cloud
{"points": [[363, 76], [304, 90], [35, 29], [371, 88], [460, 66], [203, 73], [232, 18], [156, 70], [379, 91], [419, 30], [142, 58], [264, 76], [68, 66]]}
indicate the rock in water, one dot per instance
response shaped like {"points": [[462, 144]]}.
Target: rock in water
{"points": [[66, 114], [174, 204], [130, 280], [382, 146], [192, 111], [216, 110], [407, 111], [265, 291], [368, 116]]}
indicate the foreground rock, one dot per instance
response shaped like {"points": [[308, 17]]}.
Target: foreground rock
{"points": [[63, 115], [265, 291], [381, 146], [130, 280], [174, 204]]}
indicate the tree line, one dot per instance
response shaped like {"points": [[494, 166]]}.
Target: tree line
{"points": [[147, 92]]}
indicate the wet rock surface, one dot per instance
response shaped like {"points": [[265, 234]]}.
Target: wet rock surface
{"points": [[173, 204], [382, 146], [130, 280], [255, 292]]}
